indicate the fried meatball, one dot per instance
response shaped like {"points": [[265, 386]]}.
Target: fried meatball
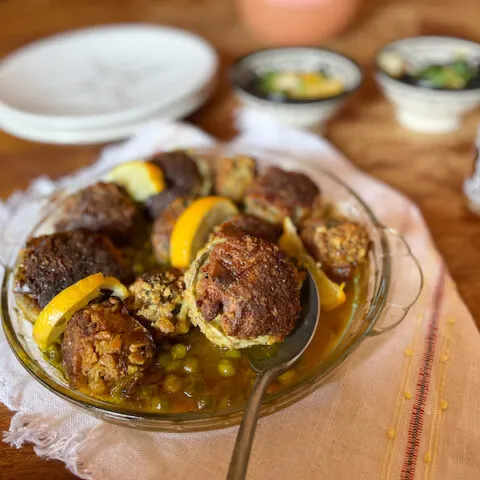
{"points": [[103, 208], [185, 177], [51, 263], [243, 291], [339, 245], [103, 348], [254, 226], [277, 194], [157, 298], [163, 228], [233, 176]]}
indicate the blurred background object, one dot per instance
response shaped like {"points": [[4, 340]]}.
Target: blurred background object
{"points": [[296, 22]]}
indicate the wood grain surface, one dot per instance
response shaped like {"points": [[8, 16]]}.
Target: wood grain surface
{"points": [[428, 169]]}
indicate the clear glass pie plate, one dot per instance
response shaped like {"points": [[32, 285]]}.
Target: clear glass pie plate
{"points": [[391, 266]]}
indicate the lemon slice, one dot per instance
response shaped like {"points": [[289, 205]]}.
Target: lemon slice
{"points": [[331, 293], [51, 321], [140, 179], [194, 226]]}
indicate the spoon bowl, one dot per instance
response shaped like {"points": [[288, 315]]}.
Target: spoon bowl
{"points": [[289, 352]]}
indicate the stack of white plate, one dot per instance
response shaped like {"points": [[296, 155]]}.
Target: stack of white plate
{"points": [[103, 83]]}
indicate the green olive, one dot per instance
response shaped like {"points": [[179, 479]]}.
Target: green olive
{"points": [[178, 351], [225, 368], [172, 384], [233, 353], [191, 365], [54, 354]]}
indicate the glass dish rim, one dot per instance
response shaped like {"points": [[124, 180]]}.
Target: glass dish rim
{"points": [[202, 421]]}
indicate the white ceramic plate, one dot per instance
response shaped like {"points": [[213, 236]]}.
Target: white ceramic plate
{"points": [[107, 133], [100, 76]]}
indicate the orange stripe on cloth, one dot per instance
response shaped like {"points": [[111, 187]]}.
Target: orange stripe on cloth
{"points": [[423, 383]]}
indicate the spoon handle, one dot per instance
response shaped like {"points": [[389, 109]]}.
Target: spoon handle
{"points": [[243, 445]]}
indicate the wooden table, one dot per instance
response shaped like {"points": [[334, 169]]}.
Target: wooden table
{"points": [[429, 170]]}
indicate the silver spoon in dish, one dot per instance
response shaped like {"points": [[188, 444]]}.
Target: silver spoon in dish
{"points": [[268, 368]]}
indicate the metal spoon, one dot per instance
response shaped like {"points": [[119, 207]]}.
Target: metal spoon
{"points": [[269, 368]]}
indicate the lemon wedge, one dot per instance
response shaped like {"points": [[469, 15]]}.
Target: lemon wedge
{"points": [[331, 293], [140, 179], [195, 225], [51, 321]]}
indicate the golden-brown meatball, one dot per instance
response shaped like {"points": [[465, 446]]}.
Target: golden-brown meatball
{"points": [[233, 176], [339, 245], [163, 228], [157, 298], [243, 291], [254, 226], [103, 348], [277, 194], [102, 208], [51, 263]]}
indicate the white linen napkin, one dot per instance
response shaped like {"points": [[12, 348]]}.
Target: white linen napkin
{"points": [[407, 403]]}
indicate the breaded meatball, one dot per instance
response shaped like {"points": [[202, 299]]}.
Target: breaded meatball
{"points": [[277, 194], [233, 176], [157, 298], [103, 347], [243, 291], [103, 208], [156, 204], [185, 175], [339, 245], [51, 263], [254, 226], [163, 228]]}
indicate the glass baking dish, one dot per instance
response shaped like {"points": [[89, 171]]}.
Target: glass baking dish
{"points": [[385, 306]]}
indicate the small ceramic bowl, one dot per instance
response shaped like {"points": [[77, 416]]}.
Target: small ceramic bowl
{"points": [[298, 113], [421, 108]]}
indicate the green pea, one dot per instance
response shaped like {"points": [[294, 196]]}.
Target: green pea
{"points": [[288, 377], [172, 384], [54, 354], [225, 368], [194, 384], [191, 365], [161, 403], [178, 351], [162, 360], [233, 353], [173, 366], [205, 402]]}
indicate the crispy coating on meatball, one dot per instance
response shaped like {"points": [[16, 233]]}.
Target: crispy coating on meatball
{"points": [[157, 298], [102, 208], [249, 289], [103, 347], [339, 245], [156, 204], [51, 263], [277, 194], [186, 176], [254, 226], [233, 176], [163, 228]]}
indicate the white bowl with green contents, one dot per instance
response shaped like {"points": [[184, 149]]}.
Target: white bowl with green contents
{"points": [[298, 86], [433, 82]]}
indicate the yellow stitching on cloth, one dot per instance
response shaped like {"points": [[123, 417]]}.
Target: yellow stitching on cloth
{"points": [[401, 397], [440, 404]]}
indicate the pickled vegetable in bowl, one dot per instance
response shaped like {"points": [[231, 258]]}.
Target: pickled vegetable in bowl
{"points": [[291, 85]]}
